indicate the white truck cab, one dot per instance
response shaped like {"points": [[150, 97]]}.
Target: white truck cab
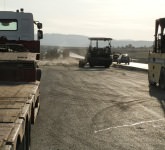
{"points": [[18, 26]]}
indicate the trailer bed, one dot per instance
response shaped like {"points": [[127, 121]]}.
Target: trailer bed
{"points": [[19, 103]]}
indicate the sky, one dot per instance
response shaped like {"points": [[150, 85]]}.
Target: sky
{"points": [[118, 19]]}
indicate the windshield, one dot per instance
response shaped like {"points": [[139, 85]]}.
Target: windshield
{"points": [[8, 24], [101, 43]]}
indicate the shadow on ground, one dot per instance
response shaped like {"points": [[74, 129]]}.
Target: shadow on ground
{"points": [[159, 94]]}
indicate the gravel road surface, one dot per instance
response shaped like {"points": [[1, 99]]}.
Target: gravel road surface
{"points": [[98, 109]]}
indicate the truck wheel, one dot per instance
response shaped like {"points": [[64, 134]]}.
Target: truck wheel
{"points": [[21, 145], [81, 63], [162, 79], [28, 133], [107, 65], [91, 65], [38, 74], [152, 83]]}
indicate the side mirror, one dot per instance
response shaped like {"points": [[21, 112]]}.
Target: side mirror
{"points": [[40, 34], [39, 25]]}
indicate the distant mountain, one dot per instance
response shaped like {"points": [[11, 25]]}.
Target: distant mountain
{"points": [[123, 43], [64, 40]]}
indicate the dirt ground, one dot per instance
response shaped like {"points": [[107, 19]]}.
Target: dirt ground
{"points": [[98, 109]]}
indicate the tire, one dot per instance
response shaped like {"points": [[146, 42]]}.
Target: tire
{"points": [[91, 65], [38, 78], [81, 63], [162, 79], [151, 83], [21, 145], [28, 134], [107, 65]]}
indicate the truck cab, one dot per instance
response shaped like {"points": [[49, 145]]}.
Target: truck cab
{"points": [[18, 25], [19, 51]]}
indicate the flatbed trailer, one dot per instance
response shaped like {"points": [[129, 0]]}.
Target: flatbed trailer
{"points": [[19, 78], [19, 105]]}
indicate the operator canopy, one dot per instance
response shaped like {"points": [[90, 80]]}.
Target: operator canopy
{"points": [[100, 38]]}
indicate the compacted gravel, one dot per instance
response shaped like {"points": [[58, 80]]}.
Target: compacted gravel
{"points": [[98, 109]]}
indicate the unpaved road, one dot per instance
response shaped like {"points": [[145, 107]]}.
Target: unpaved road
{"points": [[98, 109]]}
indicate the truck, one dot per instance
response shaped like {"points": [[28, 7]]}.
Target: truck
{"points": [[98, 53], [156, 59], [20, 77]]}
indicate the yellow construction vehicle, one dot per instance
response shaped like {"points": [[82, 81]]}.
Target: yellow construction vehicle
{"points": [[98, 53], [156, 65]]}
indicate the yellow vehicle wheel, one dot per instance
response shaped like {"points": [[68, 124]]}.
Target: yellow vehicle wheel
{"points": [[162, 79]]}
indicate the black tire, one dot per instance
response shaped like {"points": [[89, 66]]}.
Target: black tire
{"points": [[162, 79], [81, 63], [91, 65], [151, 83], [28, 134], [21, 145], [38, 74], [107, 65]]}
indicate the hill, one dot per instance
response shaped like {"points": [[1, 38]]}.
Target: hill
{"points": [[65, 40]]}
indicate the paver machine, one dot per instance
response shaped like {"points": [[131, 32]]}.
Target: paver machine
{"points": [[98, 53]]}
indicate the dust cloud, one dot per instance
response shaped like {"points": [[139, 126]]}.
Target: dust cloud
{"points": [[59, 62]]}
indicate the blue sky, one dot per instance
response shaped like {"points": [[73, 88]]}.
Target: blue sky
{"points": [[119, 19]]}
